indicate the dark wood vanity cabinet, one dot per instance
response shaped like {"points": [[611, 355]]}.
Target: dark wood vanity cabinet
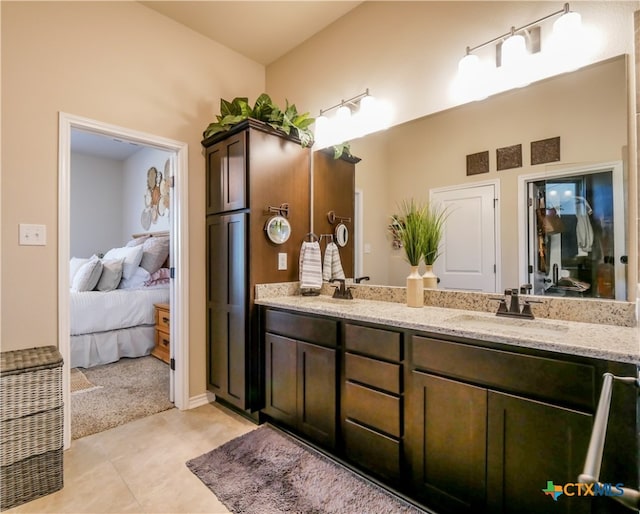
{"points": [[248, 169], [457, 425], [301, 374], [372, 399]]}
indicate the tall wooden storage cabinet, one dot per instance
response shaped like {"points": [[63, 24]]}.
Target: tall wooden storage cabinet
{"points": [[248, 169]]}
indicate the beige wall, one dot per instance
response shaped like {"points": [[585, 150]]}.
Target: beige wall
{"points": [[119, 63], [587, 109]]}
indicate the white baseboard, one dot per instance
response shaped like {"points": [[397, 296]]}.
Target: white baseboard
{"points": [[201, 399]]}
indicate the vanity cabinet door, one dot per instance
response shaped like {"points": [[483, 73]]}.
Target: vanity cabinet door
{"points": [[530, 443], [317, 393], [281, 365], [445, 443]]}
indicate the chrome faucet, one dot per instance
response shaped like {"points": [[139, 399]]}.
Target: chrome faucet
{"points": [[341, 290], [514, 308]]}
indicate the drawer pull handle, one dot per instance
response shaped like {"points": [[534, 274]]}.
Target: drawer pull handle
{"points": [[165, 320]]}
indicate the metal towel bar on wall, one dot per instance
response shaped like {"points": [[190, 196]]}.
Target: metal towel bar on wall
{"points": [[630, 498]]}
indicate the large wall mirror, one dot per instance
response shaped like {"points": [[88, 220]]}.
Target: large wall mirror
{"points": [[586, 109]]}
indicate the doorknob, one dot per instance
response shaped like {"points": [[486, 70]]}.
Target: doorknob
{"points": [[624, 259]]}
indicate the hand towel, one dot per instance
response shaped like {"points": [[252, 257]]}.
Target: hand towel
{"points": [[310, 266], [332, 264], [584, 230]]}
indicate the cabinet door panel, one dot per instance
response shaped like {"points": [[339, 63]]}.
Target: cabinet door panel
{"points": [[226, 295], [281, 383], [446, 442], [317, 392], [530, 443], [226, 175]]}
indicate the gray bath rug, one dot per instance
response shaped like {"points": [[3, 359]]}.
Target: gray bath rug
{"points": [[268, 472]]}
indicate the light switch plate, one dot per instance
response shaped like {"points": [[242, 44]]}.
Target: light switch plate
{"points": [[33, 235], [282, 261], [367, 248]]}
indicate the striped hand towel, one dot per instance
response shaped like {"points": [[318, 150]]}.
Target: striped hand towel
{"points": [[332, 265], [310, 266]]}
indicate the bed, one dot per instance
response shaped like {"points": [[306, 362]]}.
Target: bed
{"points": [[117, 320]]}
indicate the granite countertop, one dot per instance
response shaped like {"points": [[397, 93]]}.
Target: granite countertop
{"points": [[621, 344]]}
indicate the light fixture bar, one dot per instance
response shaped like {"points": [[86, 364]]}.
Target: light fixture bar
{"points": [[351, 101], [515, 30]]}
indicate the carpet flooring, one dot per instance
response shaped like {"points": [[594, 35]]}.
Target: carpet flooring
{"points": [[123, 391], [268, 472]]}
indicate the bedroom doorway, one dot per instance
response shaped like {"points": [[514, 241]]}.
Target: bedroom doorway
{"points": [[178, 230]]}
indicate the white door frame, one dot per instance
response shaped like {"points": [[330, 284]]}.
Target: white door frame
{"points": [[619, 237], [496, 213], [179, 250]]}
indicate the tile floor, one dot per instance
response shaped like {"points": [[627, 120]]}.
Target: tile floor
{"points": [[140, 466]]}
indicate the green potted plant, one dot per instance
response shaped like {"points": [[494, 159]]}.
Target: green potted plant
{"points": [[434, 219], [288, 120], [409, 227]]}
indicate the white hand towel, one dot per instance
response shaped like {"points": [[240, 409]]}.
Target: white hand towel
{"points": [[310, 266], [332, 264]]}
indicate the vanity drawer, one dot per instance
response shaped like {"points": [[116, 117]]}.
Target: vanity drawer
{"points": [[304, 328], [373, 341], [371, 450], [379, 374], [540, 377], [373, 408]]}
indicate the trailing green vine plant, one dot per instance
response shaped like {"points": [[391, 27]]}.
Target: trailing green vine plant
{"points": [[289, 120]]}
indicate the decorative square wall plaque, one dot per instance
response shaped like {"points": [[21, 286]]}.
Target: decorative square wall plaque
{"points": [[509, 157], [545, 150], [478, 163]]}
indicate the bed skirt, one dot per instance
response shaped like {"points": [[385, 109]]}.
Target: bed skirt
{"points": [[89, 350]]}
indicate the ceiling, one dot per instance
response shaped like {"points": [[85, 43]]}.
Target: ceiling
{"points": [[99, 145], [260, 30]]}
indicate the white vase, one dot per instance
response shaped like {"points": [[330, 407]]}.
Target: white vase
{"points": [[429, 279], [415, 288]]}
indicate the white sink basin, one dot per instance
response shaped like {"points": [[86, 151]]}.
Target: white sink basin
{"points": [[529, 327]]}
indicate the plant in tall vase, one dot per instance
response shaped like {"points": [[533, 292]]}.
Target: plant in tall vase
{"points": [[434, 219], [410, 230]]}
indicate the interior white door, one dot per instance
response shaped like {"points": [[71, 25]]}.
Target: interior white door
{"points": [[468, 248]]}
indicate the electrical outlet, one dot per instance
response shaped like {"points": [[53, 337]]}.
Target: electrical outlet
{"points": [[33, 235], [282, 261], [367, 248]]}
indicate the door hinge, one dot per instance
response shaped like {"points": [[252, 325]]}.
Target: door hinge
{"points": [[530, 269], [530, 201], [495, 269], [172, 181], [172, 364], [172, 272], [495, 202]]}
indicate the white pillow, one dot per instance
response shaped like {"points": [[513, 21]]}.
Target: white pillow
{"points": [[74, 265], [131, 255], [111, 274], [155, 252], [88, 275], [136, 281]]}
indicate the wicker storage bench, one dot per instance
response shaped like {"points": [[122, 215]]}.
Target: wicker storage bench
{"points": [[31, 423]]}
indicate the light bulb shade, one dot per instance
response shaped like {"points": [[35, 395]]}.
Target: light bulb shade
{"points": [[343, 113], [568, 25], [321, 131], [514, 50], [469, 66]]}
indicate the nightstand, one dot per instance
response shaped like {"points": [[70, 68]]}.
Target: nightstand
{"points": [[163, 339]]}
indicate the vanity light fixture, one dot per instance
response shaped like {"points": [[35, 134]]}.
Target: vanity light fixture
{"points": [[513, 55], [353, 118]]}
